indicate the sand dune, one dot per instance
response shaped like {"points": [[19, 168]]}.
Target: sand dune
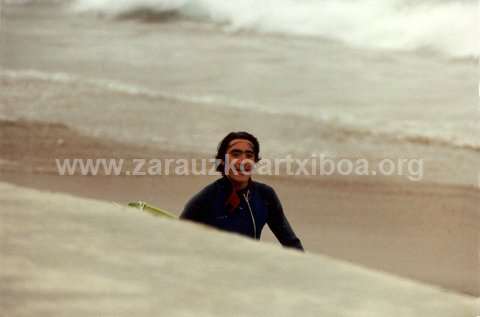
{"points": [[67, 256]]}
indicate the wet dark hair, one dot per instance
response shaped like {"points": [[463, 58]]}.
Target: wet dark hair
{"points": [[223, 146]]}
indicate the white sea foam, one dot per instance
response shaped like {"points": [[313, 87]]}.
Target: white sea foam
{"points": [[450, 27], [426, 133]]}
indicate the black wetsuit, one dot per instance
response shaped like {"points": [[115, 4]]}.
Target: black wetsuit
{"points": [[259, 205]]}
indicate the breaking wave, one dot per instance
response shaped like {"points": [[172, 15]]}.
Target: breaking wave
{"points": [[450, 27]]}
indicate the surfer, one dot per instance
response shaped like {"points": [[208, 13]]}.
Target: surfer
{"points": [[235, 202]]}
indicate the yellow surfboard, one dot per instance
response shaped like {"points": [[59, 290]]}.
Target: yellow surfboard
{"points": [[143, 206]]}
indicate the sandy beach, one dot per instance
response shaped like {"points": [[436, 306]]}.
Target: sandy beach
{"points": [[70, 256], [424, 232]]}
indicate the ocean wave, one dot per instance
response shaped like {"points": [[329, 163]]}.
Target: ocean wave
{"points": [[449, 27], [27, 2], [337, 124]]}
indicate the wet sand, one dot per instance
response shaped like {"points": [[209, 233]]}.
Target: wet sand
{"points": [[422, 231]]}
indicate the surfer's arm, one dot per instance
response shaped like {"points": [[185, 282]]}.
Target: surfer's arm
{"points": [[278, 223], [195, 208]]}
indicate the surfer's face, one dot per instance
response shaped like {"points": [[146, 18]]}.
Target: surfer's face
{"points": [[240, 160]]}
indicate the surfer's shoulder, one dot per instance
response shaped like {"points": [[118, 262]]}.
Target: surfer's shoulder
{"points": [[264, 189]]}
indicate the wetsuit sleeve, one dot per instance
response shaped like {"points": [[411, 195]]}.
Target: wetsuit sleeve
{"points": [[196, 208], [278, 223]]}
